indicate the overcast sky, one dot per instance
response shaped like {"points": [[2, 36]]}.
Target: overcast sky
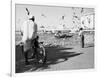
{"points": [[48, 16]]}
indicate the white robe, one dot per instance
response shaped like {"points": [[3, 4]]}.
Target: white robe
{"points": [[29, 29]]}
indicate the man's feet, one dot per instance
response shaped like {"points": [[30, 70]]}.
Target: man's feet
{"points": [[27, 63], [32, 57]]}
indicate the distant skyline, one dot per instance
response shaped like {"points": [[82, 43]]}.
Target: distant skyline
{"points": [[49, 17]]}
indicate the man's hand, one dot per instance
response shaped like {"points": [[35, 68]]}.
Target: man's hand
{"points": [[21, 33], [21, 44]]}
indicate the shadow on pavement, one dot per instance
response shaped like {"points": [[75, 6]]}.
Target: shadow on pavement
{"points": [[54, 55]]}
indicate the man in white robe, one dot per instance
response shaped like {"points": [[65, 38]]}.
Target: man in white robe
{"points": [[29, 32]]}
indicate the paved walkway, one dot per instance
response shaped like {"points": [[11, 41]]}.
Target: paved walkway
{"points": [[63, 59]]}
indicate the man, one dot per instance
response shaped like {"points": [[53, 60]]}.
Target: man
{"points": [[81, 37], [29, 33]]}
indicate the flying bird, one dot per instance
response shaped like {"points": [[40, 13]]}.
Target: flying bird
{"points": [[27, 11]]}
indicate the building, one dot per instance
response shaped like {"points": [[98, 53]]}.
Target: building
{"points": [[87, 21]]}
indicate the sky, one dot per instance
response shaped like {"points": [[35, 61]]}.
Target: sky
{"points": [[51, 17]]}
